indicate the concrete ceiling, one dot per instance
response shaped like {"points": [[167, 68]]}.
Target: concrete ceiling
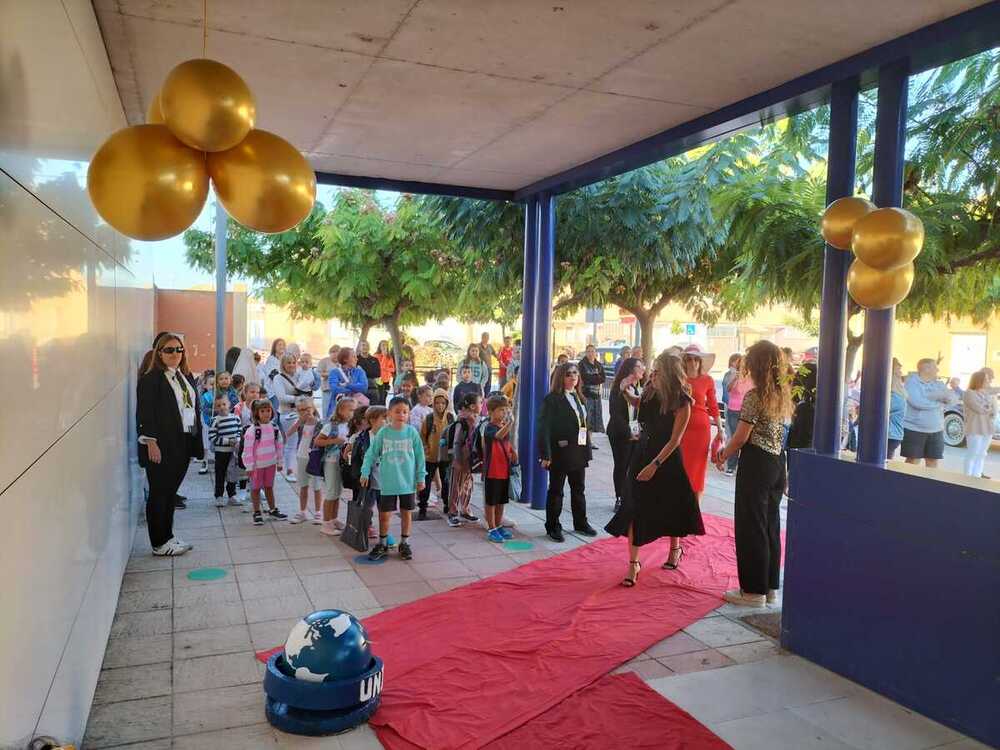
{"points": [[491, 93]]}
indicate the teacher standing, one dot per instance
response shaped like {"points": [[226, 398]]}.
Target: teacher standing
{"points": [[169, 437], [564, 443], [659, 500]]}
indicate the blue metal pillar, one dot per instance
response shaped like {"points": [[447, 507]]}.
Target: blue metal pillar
{"points": [[887, 190], [543, 330], [526, 444], [841, 156], [221, 238]]}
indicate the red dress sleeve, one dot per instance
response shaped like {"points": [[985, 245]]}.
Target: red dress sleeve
{"points": [[711, 402]]}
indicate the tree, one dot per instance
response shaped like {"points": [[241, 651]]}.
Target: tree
{"points": [[359, 262], [641, 240], [950, 182]]}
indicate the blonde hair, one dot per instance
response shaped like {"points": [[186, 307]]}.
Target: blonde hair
{"points": [[768, 369], [336, 417]]}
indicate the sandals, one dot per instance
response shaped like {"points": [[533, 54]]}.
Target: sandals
{"points": [[635, 567], [673, 566]]}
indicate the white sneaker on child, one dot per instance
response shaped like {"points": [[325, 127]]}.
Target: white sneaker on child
{"points": [[302, 515], [328, 529], [317, 517]]}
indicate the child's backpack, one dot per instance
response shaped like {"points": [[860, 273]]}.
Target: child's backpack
{"points": [[428, 425], [239, 448], [361, 446], [477, 446], [447, 443]]}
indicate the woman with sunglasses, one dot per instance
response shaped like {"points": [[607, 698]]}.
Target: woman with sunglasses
{"points": [[564, 444], [169, 437]]}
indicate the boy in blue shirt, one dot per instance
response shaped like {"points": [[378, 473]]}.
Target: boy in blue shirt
{"points": [[399, 453]]}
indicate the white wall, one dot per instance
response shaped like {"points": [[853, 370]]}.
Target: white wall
{"points": [[74, 320]]}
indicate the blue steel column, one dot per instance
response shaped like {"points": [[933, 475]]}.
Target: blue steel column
{"points": [[526, 444], [841, 155], [887, 190], [221, 222], [543, 328]]}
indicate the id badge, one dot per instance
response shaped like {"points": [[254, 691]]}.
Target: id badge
{"points": [[581, 437], [187, 418], [634, 428]]}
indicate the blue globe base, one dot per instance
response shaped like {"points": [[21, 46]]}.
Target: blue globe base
{"points": [[318, 723], [333, 695]]}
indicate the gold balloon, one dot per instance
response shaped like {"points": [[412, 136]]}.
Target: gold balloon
{"points": [[207, 105], [876, 290], [147, 184], [839, 218], [153, 115], [888, 238], [264, 183]]}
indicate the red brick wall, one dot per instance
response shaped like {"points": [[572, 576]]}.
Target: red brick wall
{"points": [[192, 313]]}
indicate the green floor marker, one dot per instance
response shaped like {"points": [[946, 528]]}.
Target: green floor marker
{"points": [[207, 574], [518, 546]]}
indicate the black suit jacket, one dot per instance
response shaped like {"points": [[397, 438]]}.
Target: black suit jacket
{"points": [[159, 417], [558, 430]]}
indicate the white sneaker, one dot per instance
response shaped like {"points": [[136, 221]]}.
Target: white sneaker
{"points": [[772, 596], [181, 542], [169, 549], [328, 529], [235, 502], [220, 502], [742, 598], [317, 518], [290, 476], [299, 517]]}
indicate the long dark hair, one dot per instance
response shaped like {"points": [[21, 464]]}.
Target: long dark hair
{"points": [[671, 385], [625, 369], [559, 377], [156, 361]]}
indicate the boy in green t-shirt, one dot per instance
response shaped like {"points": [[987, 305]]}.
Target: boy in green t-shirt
{"points": [[399, 453]]}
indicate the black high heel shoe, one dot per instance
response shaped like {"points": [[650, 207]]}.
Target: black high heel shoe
{"points": [[673, 566], [635, 566]]}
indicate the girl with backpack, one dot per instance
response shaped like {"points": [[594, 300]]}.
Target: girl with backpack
{"points": [[333, 437], [461, 438], [262, 446], [432, 429]]}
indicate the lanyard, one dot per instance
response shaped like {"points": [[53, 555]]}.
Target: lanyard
{"points": [[581, 417], [184, 391]]}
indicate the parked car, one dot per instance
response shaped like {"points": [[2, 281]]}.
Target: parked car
{"points": [[954, 426]]}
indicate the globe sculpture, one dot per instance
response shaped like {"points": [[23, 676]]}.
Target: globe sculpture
{"points": [[326, 680]]}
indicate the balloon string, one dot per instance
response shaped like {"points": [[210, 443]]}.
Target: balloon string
{"points": [[204, 25]]}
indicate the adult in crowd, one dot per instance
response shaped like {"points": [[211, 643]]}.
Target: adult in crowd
{"points": [[897, 409], [489, 356], [369, 364], [625, 353], [660, 500], [623, 420], [732, 373], [955, 384], [247, 367], [348, 379], [179, 500], [286, 392], [232, 354], [704, 413], [514, 366], [271, 367], [591, 380], [760, 479], [504, 357], [735, 391], [169, 428], [480, 369], [564, 444], [323, 368], [386, 364], [980, 418], [923, 426]]}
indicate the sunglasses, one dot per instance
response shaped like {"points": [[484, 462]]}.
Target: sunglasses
{"points": [[172, 350]]}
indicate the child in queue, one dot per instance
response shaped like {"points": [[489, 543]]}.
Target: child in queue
{"points": [[334, 437], [498, 456], [422, 408], [398, 451], [244, 409], [431, 431], [206, 389], [367, 421], [460, 480], [304, 426], [466, 387], [263, 443], [224, 384], [224, 434]]}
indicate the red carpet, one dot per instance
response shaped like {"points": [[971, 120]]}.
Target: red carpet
{"points": [[468, 666], [643, 720]]}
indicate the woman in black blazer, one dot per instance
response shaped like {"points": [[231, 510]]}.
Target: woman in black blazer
{"points": [[169, 437], [623, 421], [564, 444]]}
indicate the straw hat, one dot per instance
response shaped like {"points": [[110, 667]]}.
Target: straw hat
{"points": [[707, 358]]}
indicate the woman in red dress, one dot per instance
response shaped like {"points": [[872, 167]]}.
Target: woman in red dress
{"points": [[704, 412]]}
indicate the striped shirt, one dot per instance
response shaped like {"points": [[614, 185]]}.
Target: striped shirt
{"points": [[224, 433]]}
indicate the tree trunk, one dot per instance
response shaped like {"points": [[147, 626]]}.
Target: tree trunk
{"points": [[392, 326], [646, 321], [366, 328]]}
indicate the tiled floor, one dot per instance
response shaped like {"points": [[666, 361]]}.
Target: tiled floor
{"points": [[180, 672]]}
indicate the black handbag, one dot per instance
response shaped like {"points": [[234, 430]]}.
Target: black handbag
{"points": [[359, 518]]}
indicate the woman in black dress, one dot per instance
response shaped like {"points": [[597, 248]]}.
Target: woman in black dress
{"points": [[623, 423], [659, 500], [564, 445]]}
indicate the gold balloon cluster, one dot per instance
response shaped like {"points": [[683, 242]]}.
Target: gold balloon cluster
{"points": [[885, 241], [150, 181]]}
